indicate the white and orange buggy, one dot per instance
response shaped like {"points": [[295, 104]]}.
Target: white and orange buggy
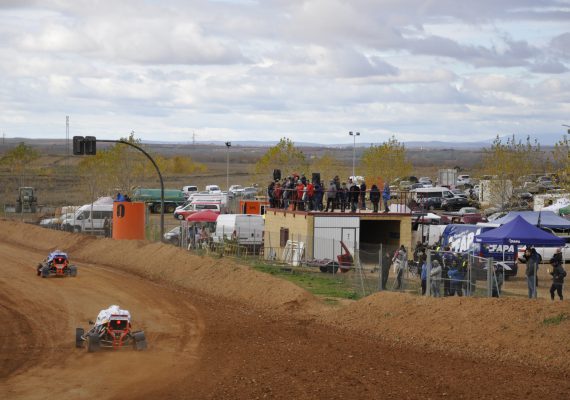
{"points": [[56, 263], [112, 330]]}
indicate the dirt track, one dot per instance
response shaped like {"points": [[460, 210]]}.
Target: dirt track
{"points": [[206, 346]]}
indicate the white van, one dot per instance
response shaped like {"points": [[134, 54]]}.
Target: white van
{"points": [[214, 189], [246, 228], [187, 190], [88, 218], [438, 191]]}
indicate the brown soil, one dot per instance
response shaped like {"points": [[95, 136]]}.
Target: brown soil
{"points": [[223, 331]]}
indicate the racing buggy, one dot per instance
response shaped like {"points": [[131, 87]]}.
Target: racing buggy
{"points": [[56, 263], [112, 330]]}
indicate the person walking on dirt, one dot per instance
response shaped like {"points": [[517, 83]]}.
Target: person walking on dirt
{"points": [[558, 274], [435, 278], [374, 198]]}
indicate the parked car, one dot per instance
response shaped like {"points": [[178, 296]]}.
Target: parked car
{"points": [[249, 192], [196, 206], [458, 193], [236, 190], [455, 203], [431, 203], [173, 236], [213, 189], [188, 190], [463, 179]]}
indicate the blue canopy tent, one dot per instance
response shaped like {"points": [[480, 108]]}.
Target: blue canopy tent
{"points": [[519, 231], [547, 219]]}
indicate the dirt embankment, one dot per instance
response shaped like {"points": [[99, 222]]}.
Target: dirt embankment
{"points": [[500, 329]]}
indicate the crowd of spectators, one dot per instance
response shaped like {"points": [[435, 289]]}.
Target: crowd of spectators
{"points": [[300, 194]]}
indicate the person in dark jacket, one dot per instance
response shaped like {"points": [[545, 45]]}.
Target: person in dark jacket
{"points": [[354, 193], [342, 195], [456, 275], [386, 263], [558, 274], [386, 197], [531, 260], [319, 193], [375, 198], [363, 196]]}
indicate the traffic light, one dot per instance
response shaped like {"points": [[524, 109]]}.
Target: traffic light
{"points": [[78, 146], [90, 145]]}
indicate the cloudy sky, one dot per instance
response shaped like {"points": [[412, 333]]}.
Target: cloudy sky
{"points": [[309, 70]]}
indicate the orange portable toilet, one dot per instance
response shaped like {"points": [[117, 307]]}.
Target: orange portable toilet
{"points": [[128, 220]]}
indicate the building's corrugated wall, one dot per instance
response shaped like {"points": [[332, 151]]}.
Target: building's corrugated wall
{"points": [[328, 233]]}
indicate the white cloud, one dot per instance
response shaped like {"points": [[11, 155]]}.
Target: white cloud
{"points": [[301, 68]]}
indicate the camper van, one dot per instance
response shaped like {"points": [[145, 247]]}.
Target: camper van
{"points": [[88, 218], [247, 229]]}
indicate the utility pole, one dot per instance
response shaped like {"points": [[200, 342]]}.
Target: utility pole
{"points": [[67, 144]]}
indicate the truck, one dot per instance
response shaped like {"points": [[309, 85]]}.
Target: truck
{"points": [[447, 177], [151, 197], [27, 201]]}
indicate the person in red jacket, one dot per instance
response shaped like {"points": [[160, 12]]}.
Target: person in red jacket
{"points": [[310, 196]]}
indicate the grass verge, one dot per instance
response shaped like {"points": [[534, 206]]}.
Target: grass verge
{"points": [[317, 283]]}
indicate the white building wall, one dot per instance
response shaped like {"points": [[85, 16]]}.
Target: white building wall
{"points": [[328, 233]]}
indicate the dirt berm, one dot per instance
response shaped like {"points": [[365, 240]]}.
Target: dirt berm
{"points": [[245, 334]]}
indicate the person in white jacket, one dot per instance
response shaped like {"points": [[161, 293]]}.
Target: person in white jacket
{"points": [[435, 277]]}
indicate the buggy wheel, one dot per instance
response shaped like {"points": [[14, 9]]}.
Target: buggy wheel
{"points": [[79, 332], [44, 272], [139, 342], [39, 270], [93, 343], [72, 270]]}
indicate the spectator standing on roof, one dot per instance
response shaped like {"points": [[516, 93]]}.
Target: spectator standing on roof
{"points": [[299, 205], [354, 193], [319, 193], [363, 195], [271, 194], [310, 196], [336, 180], [341, 194], [277, 195], [374, 198], [558, 274], [435, 278], [120, 197], [331, 196], [386, 196]]}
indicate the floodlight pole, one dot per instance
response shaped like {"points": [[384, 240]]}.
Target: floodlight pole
{"points": [[354, 135], [159, 176], [228, 145]]}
